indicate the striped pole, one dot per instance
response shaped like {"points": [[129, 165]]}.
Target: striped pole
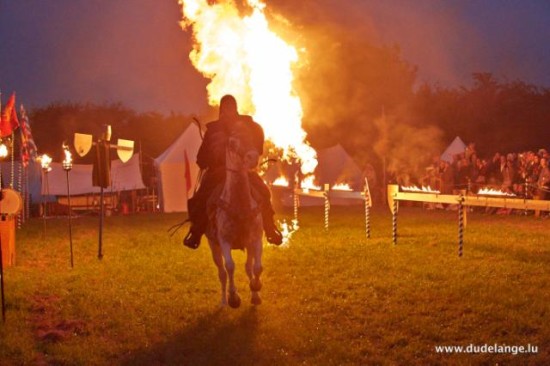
{"points": [[327, 210], [394, 223], [367, 216], [460, 226], [21, 214]]}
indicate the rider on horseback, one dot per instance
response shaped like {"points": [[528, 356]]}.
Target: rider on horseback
{"points": [[211, 158]]}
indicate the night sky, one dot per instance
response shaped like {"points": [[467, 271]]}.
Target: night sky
{"points": [[135, 52]]}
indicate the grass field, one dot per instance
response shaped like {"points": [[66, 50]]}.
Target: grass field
{"points": [[329, 299]]}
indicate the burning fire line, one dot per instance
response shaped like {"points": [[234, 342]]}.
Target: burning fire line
{"points": [[308, 184], [342, 187], [281, 182], [243, 57], [494, 192], [423, 189]]}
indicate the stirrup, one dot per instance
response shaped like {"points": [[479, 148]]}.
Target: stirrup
{"points": [[192, 240]]}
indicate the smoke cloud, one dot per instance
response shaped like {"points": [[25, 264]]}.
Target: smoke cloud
{"points": [[349, 79]]}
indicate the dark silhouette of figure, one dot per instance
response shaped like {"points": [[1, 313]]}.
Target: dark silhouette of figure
{"points": [[211, 159]]}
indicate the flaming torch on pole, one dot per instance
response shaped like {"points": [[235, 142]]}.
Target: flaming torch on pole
{"points": [[3, 154], [45, 162], [67, 166]]}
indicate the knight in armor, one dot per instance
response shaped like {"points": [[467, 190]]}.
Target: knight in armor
{"points": [[211, 159]]}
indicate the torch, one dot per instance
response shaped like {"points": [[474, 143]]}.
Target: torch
{"points": [[67, 166], [3, 154], [45, 162]]}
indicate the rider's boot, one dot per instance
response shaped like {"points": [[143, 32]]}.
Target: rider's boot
{"points": [[272, 234], [193, 237]]}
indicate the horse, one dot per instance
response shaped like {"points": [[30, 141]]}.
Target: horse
{"points": [[235, 220]]}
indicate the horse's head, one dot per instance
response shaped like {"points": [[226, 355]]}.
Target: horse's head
{"points": [[241, 152]]}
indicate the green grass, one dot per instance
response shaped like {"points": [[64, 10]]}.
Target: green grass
{"points": [[329, 298]]}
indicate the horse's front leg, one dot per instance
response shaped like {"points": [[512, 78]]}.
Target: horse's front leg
{"points": [[234, 299], [254, 270], [222, 273]]}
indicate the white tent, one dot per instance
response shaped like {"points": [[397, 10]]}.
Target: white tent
{"points": [[12, 175], [124, 177], [177, 170], [456, 147], [336, 166]]}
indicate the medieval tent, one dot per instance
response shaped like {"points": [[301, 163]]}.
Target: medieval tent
{"points": [[124, 177], [336, 166], [455, 147], [24, 180], [177, 171]]}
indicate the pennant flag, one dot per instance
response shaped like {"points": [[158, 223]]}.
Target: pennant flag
{"points": [[187, 173], [28, 147], [9, 120]]}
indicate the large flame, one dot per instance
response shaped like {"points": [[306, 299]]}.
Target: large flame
{"points": [[243, 57]]}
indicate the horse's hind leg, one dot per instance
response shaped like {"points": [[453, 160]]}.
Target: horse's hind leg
{"points": [[222, 274]]}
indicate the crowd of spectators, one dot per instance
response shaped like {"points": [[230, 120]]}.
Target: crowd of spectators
{"points": [[525, 174]]}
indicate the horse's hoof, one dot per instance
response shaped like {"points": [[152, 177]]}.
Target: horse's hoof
{"points": [[256, 299], [255, 285], [234, 300]]}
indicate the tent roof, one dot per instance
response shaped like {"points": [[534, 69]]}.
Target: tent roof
{"points": [[456, 147], [189, 141], [336, 166]]}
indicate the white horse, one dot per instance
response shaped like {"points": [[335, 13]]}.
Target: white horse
{"points": [[236, 222]]}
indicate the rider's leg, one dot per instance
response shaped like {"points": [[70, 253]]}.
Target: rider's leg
{"points": [[197, 209], [272, 234]]}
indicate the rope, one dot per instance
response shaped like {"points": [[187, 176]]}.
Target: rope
{"points": [[174, 228], [200, 127]]}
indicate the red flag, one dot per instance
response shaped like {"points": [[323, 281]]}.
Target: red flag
{"points": [[187, 172], [9, 118]]}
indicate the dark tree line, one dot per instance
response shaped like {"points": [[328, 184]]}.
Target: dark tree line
{"points": [[509, 116], [58, 122], [152, 132], [497, 116]]}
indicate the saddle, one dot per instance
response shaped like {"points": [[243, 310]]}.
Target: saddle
{"points": [[238, 220]]}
